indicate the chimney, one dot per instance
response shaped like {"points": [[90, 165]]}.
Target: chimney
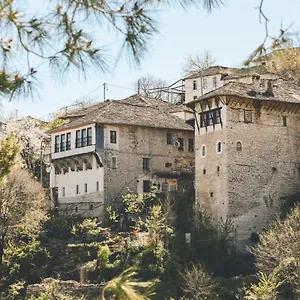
{"points": [[269, 91], [256, 83]]}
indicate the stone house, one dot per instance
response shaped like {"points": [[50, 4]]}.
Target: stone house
{"points": [[247, 151], [204, 81], [109, 147]]}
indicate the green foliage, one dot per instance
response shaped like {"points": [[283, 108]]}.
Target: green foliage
{"points": [[61, 35], [15, 289], [198, 284], [213, 245], [126, 287], [112, 215], [266, 289], [25, 261], [279, 250], [8, 152], [56, 121], [103, 256]]}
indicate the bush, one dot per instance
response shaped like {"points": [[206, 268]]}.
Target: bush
{"points": [[279, 250], [198, 284], [265, 289]]}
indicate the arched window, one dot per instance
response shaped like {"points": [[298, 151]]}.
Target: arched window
{"points": [[239, 146], [219, 147], [203, 150]]}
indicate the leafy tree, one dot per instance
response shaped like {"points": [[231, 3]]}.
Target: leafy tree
{"points": [[8, 153], [55, 121], [286, 62], [22, 204], [60, 35], [279, 249]]}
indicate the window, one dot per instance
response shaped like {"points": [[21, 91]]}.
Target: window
{"points": [[204, 83], [284, 121], [83, 138], [63, 191], [76, 209], [210, 117], [168, 165], [91, 206], [85, 188], [89, 136], [56, 144], [247, 116], [181, 144], [262, 83], [78, 139], [68, 143], [215, 82], [203, 150], [169, 138], [114, 162], [191, 145], [211, 194], [97, 186], [146, 164], [63, 142], [113, 137], [204, 171], [239, 146], [195, 97], [146, 186], [194, 84], [77, 189], [218, 170], [219, 147]]}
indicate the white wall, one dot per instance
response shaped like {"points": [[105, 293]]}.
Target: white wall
{"points": [[107, 143], [190, 92], [83, 199]]}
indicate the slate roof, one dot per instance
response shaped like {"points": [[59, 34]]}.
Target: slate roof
{"points": [[214, 70], [135, 110], [283, 90], [244, 72]]}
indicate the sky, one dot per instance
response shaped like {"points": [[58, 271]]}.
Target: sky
{"points": [[231, 33]]}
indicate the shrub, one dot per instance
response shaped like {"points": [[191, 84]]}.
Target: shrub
{"points": [[265, 289], [279, 250], [198, 284]]}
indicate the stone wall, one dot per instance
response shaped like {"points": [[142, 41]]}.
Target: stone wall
{"points": [[136, 143], [211, 173], [248, 185], [266, 168]]}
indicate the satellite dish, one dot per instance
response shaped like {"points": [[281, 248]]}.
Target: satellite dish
{"points": [[176, 144], [48, 169]]}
